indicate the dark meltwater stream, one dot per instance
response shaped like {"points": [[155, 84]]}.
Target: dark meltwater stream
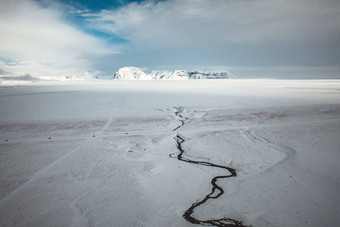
{"points": [[216, 190]]}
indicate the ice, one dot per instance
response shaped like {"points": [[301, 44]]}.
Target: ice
{"points": [[96, 153]]}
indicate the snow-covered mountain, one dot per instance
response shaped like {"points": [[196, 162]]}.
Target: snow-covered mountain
{"points": [[131, 73], [134, 73]]}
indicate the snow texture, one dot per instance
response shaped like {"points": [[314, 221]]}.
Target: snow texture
{"points": [[96, 153]]}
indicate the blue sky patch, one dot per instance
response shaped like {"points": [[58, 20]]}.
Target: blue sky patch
{"points": [[97, 5]]}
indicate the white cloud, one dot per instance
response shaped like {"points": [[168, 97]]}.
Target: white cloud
{"points": [[40, 42], [226, 32], [247, 33], [191, 22]]}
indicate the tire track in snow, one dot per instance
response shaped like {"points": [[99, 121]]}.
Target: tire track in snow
{"points": [[41, 172], [287, 153], [79, 218], [216, 190]]}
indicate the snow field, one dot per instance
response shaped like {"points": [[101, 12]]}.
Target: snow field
{"points": [[97, 153]]}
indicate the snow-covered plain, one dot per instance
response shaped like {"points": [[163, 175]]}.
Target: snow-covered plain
{"points": [[97, 153]]}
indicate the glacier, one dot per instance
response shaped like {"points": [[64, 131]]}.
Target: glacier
{"points": [[135, 73]]}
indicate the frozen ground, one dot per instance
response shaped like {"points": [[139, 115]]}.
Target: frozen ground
{"points": [[97, 153]]}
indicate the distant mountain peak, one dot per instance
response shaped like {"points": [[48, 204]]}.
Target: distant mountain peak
{"points": [[135, 73], [131, 73]]}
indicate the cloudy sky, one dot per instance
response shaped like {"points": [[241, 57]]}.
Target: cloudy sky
{"points": [[249, 38]]}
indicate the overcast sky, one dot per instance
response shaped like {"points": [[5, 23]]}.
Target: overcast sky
{"points": [[249, 38]]}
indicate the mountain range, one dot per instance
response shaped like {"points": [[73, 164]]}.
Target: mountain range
{"points": [[134, 73]]}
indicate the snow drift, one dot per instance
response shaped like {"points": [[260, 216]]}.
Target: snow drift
{"points": [[134, 73]]}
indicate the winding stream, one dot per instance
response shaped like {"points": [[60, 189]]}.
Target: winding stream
{"points": [[216, 190]]}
